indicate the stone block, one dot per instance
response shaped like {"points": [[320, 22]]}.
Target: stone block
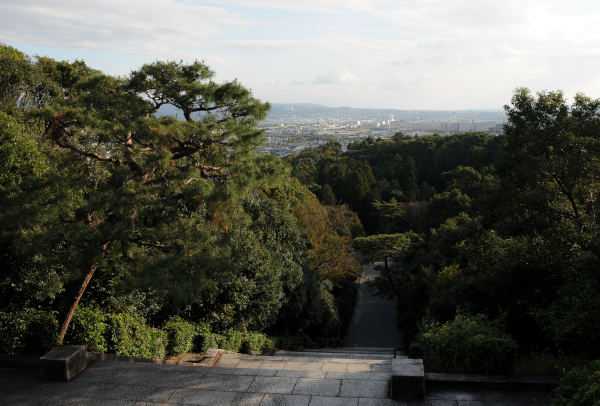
{"points": [[63, 362], [408, 379]]}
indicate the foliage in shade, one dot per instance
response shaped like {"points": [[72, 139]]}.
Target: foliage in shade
{"points": [[89, 327], [580, 386], [466, 345], [28, 331]]}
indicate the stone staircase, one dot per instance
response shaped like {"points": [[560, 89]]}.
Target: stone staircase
{"points": [[329, 376]]}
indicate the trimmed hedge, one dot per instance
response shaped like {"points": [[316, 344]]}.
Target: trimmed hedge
{"points": [[580, 386], [181, 335], [128, 334], [466, 346], [125, 333], [233, 341]]}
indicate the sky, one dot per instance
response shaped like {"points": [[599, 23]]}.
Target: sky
{"points": [[402, 54]]}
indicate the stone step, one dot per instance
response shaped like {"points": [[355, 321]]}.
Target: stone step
{"points": [[355, 349], [316, 364], [326, 356], [334, 355]]}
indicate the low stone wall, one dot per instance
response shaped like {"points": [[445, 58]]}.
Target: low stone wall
{"points": [[493, 382]]}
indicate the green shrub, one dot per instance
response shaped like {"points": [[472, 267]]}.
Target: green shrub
{"points": [[88, 327], [128, 334], [256, 342], [580, 386], [28, 331], [181, 335], [467, 346]]}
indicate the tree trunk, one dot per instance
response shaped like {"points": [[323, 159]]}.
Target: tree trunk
{"points": [[389, 277], [74, 294]]}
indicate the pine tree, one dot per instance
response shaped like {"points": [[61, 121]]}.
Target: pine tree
{"points": [[134, 190]]}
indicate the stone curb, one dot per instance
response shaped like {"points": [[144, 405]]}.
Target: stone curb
{"points": [[494, 382], [211, 356]]}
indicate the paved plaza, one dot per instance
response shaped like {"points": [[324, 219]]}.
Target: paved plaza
{"points": [[110, 383], [358, 375]]}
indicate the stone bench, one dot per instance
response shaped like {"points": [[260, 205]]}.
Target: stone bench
{"points": [[63, 362], [408, 379]]}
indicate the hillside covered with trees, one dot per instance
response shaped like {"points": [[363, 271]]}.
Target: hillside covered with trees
{"points": [[144, 235], [499, 230]]}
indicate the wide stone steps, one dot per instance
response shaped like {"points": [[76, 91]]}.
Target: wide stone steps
{"points": [[306, 363], [356, 349]]}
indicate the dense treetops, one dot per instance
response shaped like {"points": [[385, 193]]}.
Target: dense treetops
{"points": [[508, 223]]}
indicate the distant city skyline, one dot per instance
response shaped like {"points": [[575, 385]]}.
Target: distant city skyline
{"points": [[414, 54]]}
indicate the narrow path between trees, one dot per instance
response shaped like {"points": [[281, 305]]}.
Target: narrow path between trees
{"points": [[374, 320]]}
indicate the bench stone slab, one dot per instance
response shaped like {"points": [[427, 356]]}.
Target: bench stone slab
{"points": [[408, 379], [63, 363]]}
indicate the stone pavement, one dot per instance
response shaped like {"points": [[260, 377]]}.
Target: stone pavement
{"points": [[374, 321], [109, 383]]}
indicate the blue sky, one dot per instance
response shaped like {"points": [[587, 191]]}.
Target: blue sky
{"points": [[414, 54]]}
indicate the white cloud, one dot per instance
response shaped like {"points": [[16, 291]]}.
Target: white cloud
{"points": [[407, 61], [314, 6], [337, 76], [142, 27], [503, 51]]}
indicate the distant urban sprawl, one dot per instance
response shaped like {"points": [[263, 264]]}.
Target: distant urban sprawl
{"points": [[291, 128]]}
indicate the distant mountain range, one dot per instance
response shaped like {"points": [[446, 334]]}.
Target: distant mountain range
{"points": [[312, 110]]}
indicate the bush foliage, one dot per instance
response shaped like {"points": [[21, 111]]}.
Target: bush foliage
{"points": [[28, 331], [580, 386], [181, 335], [89, 328], [467, 345]]}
